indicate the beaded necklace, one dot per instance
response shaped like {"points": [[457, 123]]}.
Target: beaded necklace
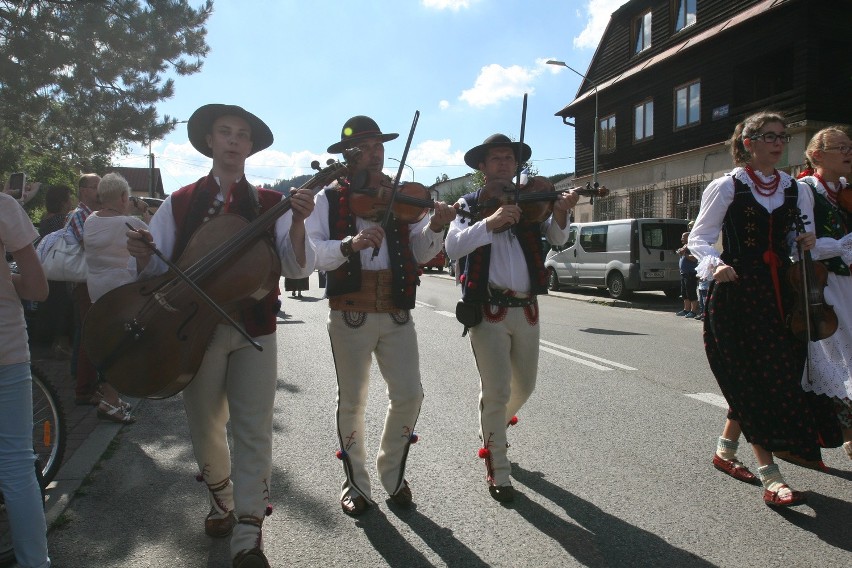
{"points": [[764, 188]]}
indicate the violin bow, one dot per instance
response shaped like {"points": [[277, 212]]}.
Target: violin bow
{"points": [[521, 151], [386, 219]]}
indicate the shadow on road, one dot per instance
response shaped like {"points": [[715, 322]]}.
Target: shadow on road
{"points": [[831, 522], [614, 541], [440, 539]]}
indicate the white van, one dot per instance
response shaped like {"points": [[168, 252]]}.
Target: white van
{"points": [[622, 256]]}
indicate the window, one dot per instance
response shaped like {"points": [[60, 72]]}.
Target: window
{"points": [[665, 236], [643, 121], [642, 32], [593, 239], [606, 136], [684, 13], [688, 105]]}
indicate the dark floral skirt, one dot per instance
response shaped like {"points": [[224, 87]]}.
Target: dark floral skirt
{"points": [[758, 364]]}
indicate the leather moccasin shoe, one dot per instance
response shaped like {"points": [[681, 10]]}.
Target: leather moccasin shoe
{"points": [[502, 493], [253, 558], [402, 497], [735, 469], [354, 506], [219, 527], [790, 498]]}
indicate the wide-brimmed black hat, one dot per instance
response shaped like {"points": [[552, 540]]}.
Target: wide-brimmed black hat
{"points": [[201, 122], [358, 128], [476, 155]]}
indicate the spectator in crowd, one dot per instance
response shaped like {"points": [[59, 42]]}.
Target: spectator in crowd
{"points": [[107, 259], [688, 280], [22, 500], [81, 367], [54, 322]]}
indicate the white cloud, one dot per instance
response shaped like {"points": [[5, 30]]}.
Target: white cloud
{"points": [[434, 153], [444, 104], [454, 5], [598, 12], [496, 83]]}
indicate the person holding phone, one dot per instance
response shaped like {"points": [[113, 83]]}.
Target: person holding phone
{"points": [[18, 482]]}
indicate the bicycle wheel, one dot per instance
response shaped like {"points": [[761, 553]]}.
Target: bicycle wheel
{"points": [[48, 427]]}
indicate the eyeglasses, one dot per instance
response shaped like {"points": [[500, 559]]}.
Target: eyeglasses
{"points": [[771, 137], [844, 149]]}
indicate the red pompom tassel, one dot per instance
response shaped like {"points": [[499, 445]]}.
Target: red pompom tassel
{"points": [[268, 511], [484, 453], [513, 421], [199, 478], [414, 438], [340, 454]]}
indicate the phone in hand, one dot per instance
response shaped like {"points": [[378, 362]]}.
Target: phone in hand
{"points": [[17, 182]]}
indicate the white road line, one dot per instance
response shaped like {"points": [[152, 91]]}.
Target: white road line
{"points": [[710, 398], [576, 359], [424, 304], [586, 355], [448, 314]]}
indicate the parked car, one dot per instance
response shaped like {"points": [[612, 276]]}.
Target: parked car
{"points": [[438, 262], [622, 256]]}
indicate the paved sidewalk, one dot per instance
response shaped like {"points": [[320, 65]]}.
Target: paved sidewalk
{"points": [[87, 436]]}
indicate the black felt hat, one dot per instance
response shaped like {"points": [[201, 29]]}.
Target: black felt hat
{"points": [[476, 155], [201, 122], [356, 129]]}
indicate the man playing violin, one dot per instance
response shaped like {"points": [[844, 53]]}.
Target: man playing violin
{"points": [[503, 273], [235, 380], [370, 296]]}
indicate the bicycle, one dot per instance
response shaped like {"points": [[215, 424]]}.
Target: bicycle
{"points": [[49, 431]]}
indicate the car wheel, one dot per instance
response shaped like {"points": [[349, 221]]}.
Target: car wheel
{"points": [[615, 284], [552, 280]]}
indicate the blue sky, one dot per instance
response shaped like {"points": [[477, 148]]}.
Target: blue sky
{"points": [[305, 67]]}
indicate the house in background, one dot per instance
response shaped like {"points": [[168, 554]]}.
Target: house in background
{"points": [[140, 181], [672, 78]]}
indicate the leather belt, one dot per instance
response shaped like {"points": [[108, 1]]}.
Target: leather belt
{"points": [[375, 295]]}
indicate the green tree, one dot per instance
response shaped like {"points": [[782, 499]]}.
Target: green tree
{"points": [[79, 80]]}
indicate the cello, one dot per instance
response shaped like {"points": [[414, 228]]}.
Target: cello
{"points": [[148, 338]]}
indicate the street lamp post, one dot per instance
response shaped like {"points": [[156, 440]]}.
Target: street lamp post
{"points": [[595, 137], [406, 165]]}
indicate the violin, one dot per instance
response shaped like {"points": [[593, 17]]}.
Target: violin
{"points": [[371, 196], [148, 338], [535, 198], [812, 319]]}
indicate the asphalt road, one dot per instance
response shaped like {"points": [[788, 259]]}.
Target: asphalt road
{"points": [[611, 460]]}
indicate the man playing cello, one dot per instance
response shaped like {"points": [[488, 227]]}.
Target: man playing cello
{"points": [[234, 380]]}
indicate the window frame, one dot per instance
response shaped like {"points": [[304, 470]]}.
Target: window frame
{"points": [[675, 8], [607, 134], [688, 88], [643, 104], [638, 26]]}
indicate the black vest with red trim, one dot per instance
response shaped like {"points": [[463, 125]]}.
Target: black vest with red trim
{"points": [[477, 264], [347, 277], [191, 206]]}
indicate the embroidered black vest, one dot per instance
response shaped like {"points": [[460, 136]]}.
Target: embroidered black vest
{"points": [[830, 221], [347, 277], [191, 206], [477, 264]]}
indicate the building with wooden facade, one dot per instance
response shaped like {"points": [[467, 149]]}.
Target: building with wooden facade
{"points": [[671, 78]]}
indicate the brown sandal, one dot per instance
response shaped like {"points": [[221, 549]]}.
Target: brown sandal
{"points": [[118, 414]]}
